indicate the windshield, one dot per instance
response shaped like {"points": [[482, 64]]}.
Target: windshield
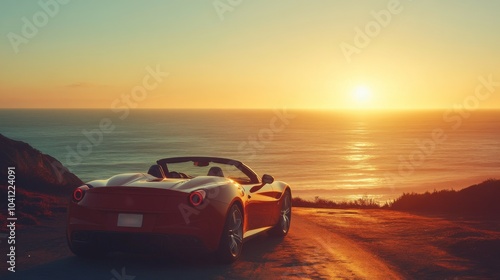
{"points": [[195, 168]]}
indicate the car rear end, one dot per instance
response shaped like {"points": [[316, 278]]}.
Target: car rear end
{"points": [[138, 219]]}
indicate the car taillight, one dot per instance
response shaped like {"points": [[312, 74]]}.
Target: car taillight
{"points": [[196, 198], [78, 194]]}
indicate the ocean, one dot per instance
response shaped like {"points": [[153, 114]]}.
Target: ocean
{"points": [[331, 154]]}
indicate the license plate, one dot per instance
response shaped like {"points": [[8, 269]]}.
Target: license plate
{"points": [[129, 220]]}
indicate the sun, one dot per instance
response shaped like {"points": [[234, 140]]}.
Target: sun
{"points": [[362, 95]]}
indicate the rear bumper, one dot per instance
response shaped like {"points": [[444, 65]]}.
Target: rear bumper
{"points": [[179, 228], [138, 242]]}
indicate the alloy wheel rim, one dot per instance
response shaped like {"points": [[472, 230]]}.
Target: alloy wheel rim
{"points": [[235, 232], [285, 214]]}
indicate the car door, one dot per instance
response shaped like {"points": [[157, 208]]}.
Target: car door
{"points": [[261, 207]]}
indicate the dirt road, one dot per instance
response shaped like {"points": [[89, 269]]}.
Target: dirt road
{"points": [[322, 244]]}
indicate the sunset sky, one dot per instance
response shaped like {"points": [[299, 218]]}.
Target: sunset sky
{"points": [[250, 54]]}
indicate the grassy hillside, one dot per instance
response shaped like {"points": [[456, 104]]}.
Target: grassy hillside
{"points": [[35, 171], [42, 184], [362, 203], [482, 199]]}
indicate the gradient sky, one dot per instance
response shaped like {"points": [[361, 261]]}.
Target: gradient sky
{"points": [[260, 54]]}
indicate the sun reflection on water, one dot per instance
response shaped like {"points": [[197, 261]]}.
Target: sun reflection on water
{"points": [[359, 155]]}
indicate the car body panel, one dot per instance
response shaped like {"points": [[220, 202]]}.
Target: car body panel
{"points": [[160, 207]]}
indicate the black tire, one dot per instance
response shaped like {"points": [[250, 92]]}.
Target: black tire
{"points": [[231, 242], [283, 226]]}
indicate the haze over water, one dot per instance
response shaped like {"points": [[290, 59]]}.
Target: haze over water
{"points": [[332, 154]]}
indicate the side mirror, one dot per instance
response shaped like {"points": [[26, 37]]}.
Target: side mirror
{"points": [[267, 179]]}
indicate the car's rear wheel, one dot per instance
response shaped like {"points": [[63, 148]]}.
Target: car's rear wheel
{"points": [[283, 226], [231, 242]]}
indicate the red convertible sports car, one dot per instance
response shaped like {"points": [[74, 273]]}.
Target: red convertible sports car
{"points": [[181, 204]]}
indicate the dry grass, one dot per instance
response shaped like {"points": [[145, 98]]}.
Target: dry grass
{"points": [[361, 203], [30, 206], [480, 200]]}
